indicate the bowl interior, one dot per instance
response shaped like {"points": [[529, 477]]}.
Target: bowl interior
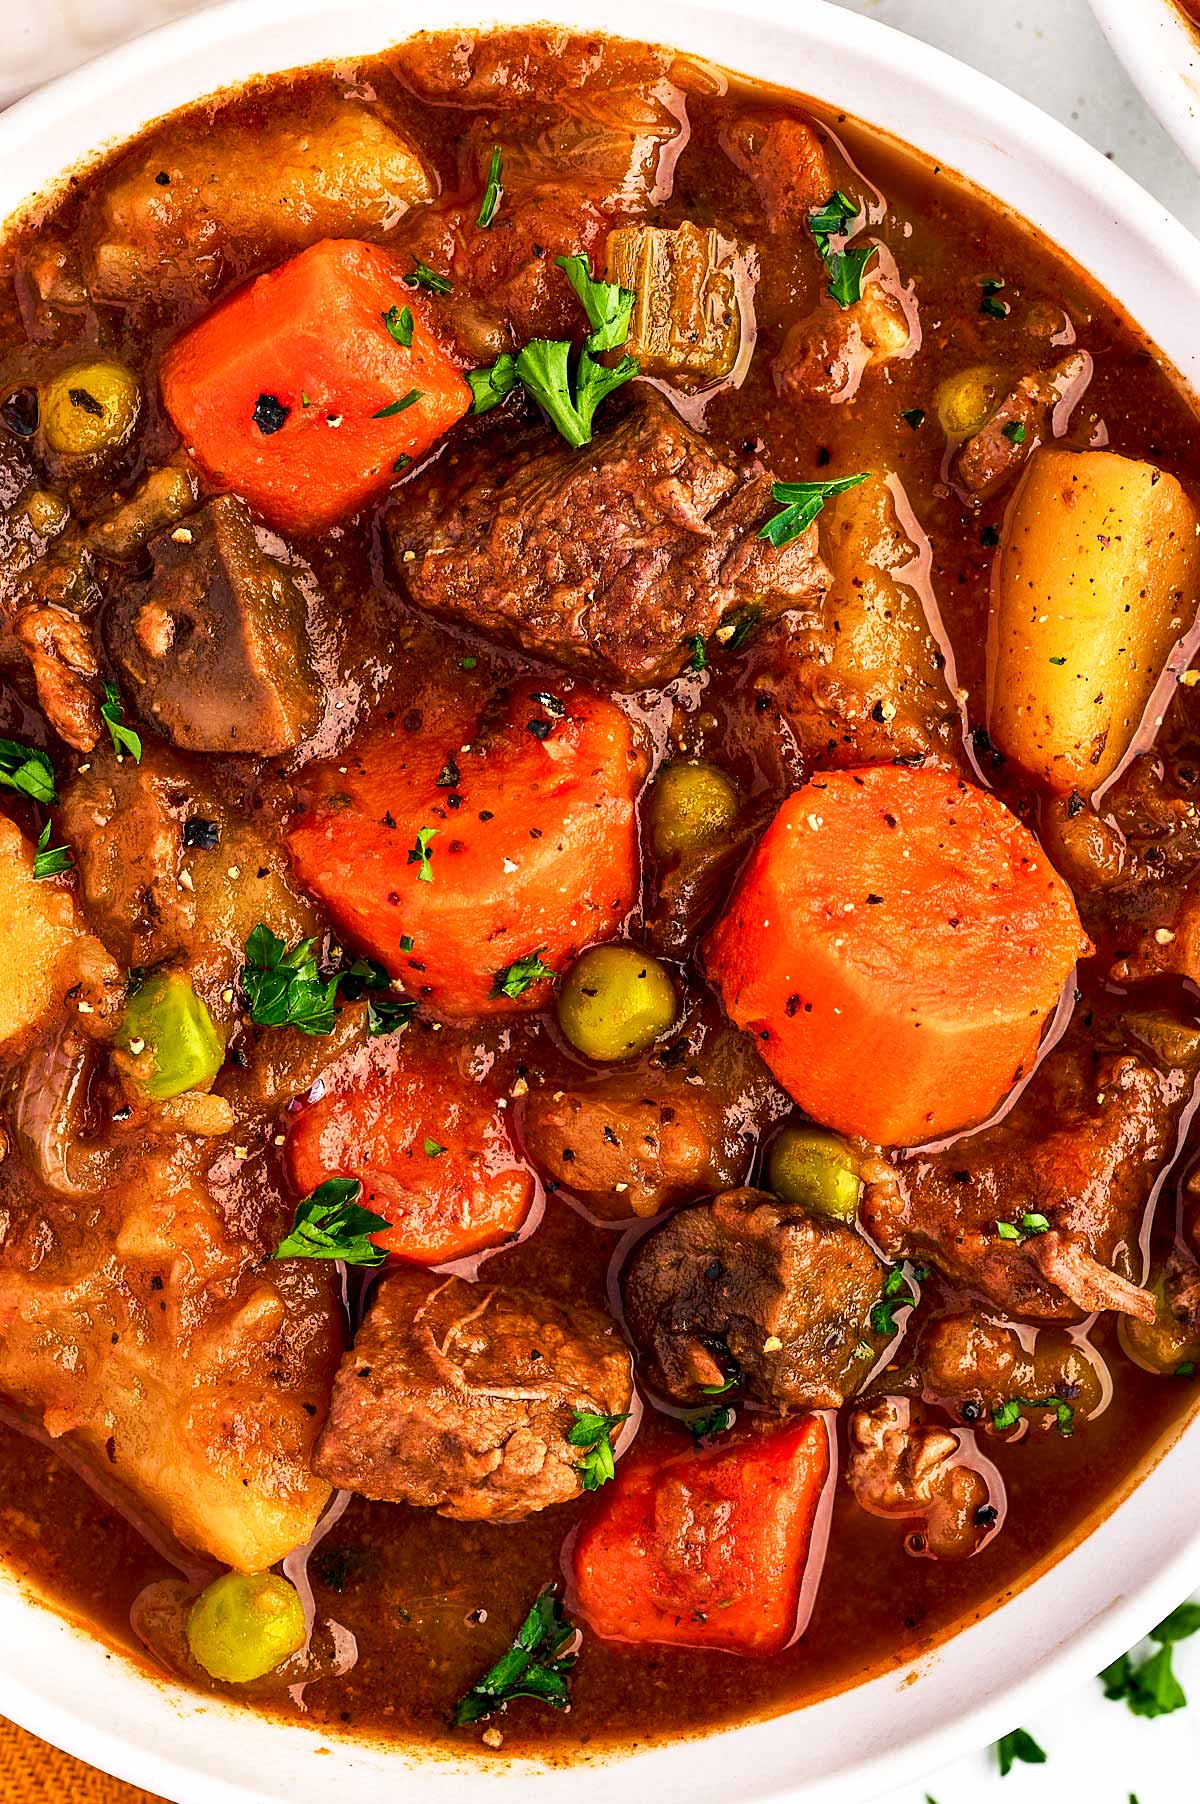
{"points": [[1146, 1554]]}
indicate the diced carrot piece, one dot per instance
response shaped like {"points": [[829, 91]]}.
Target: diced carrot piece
{"points": [[295, 393], [426, 1137], [895, 945], [706, 1547], [524, 843]]}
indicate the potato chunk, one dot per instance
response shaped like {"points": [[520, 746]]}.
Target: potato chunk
{"points": [[1096, 578], [266, 185], [45, 949], [686, 320]]}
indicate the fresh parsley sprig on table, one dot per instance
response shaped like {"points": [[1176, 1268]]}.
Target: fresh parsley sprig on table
{"points": [[330, 1224], [25, 769], [284, 988], [1149, 1686], [1018, 1744], [535, 1666], [592, 1434]]}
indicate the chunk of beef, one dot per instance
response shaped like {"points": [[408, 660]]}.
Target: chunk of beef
{"points": [[635, 1142], [782, 1297], [686, 320], [902, 1466], [972, 1363], [608, 559], [860, 682], [62, 657], [987, 460], [458, 1397], [247, 188], [1083, 1145], [513, 68], [49, 963], [786, 161], [215, 644], [826, 355], [143, 1331], [616, 145]]}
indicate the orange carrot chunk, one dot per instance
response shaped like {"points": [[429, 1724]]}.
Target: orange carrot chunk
{"points": [[427, 1139], [895, 945], [308, 389], [473, 856], [705, 1547]]}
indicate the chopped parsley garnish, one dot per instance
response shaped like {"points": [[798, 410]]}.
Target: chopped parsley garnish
{"points": [[915, 416], [1032, 1222], [48, 860], [592, 1434], [898, 1293], [535, 1666], [25, 769], [1018, 1744], [800, 503], [735, 634], [1061, 660], [521, 975], [711, 1422], [1149, 1686], [1014, 432], [331, 1224], [407, 942], [434, 1148], [1007, 1415], [408, 400], [399, 322], [124, 739], [285, 989], [424, 277], [422, 854], [608, 306], [995, 309], [699, 657], [569, 399], [845, 266], [989, 536], [269, 414], [200, 834], [493, 193], [386, 1012], [491, 384]]}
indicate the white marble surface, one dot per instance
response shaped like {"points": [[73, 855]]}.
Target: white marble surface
{"points": [[1053, 52]]}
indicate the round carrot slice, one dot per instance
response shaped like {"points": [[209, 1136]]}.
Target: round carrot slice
{"points": [[895, 945]]}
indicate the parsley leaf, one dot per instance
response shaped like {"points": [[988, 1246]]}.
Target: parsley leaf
{"points": [[491, 384], [1149, 1686], [592, 1433], [399, 322], [408, 400], [25, 769], [422, 855], [800, 503], [1014, 432], [386, 1012], [1007, 1415], [424, 277], [914, 416], [608, 306], [713, 1422], [898, 1293], [285, 989], [699, 657], [124, 738], [544, 369], [1032, 1222], [494, 192], [844, 266], [521, 975], [330, 1224], [535, 1666], [1018, 1744], [48, 860], [434, 1148]]}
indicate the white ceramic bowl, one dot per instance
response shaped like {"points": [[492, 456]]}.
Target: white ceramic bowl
{"points": [[1161, 54], [1145, 1555]]}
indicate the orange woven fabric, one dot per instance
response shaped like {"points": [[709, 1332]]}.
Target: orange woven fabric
{"points": [[32, 1772]]}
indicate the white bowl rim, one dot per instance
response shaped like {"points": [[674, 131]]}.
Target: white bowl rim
{"points": [[1160, 53], [60, 1682]]}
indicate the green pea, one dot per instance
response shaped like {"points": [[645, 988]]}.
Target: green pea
{"points": [[1160, 1346], [690, 806], [90, 407], [966, 401], [244, 1625], [616, 1001], [814, 1170], [171, 1039]]}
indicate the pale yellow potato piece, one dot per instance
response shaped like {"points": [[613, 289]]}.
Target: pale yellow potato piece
{"points": [[1096, 578], [45, 950]]}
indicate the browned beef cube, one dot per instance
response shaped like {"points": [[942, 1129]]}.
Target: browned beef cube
{"points": [[458, 1397], [214, 644], [609, 559], [747, 1286]]}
